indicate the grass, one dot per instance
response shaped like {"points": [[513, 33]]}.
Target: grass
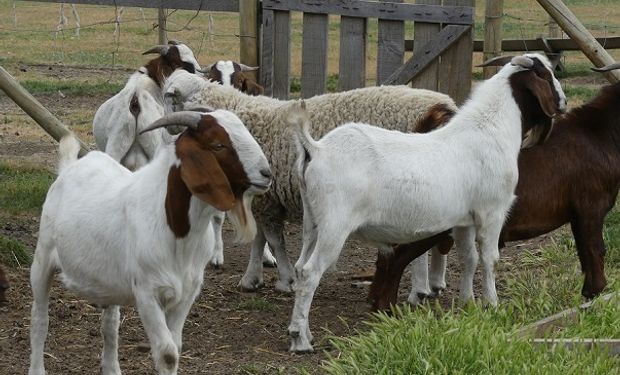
{"points": [[71, 87], [474, 339], [23, 189], [13, 253]]}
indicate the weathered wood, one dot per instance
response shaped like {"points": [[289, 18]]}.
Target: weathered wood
{"points": [[390, 47], [456, 63], [282, 49], [352, 67], [383, 10], [248, 34], [314, 55], [34, 109], [431, 50], [539, 328], [611, 346], [493, 13], [266, 64], [428, 79], [210, 5], [576, 31], [161, 26], [516, 45]]}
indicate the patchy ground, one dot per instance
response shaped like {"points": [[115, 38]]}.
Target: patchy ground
{"points": [[227, 331]]}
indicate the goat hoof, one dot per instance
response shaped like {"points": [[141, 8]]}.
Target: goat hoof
{"points": [[299, 343], [284, 286], [436, 292], [250, 286], [270, 263]]}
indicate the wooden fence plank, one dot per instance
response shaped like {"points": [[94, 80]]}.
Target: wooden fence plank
{"points": [[314, 55], [210, 5], [433, 48], [384, 10], [352, 68], [516, 45], [248, 34], [390, 48], [266, 65], [282, 49], [428, 79], [456, 63], [611, 346]]}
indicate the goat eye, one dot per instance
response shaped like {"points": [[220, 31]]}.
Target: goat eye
{"points": [[218, 147]]}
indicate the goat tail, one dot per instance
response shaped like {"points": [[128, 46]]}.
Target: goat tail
{"points": [[298, 119], [67, 151]]}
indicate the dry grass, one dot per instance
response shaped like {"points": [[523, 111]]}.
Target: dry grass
{"points": [[37, 42]]}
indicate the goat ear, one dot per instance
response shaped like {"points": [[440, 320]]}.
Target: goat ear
{"points": [[203, 175], [542, 91], [252, 88]]}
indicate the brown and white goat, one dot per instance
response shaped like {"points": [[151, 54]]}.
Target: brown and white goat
{"points": [[572, 178], [119, 120], [230, 73], [4, 286]]}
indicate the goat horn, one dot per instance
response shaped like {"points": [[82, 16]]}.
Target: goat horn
{"points": [[184, 118], [200, 109], [160, 49], [206, 69], [607, 68], [522, 61], [246, 68], [496, 61], [173, 42]]}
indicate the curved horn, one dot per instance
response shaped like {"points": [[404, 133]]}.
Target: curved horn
{"points": [[200, 108], [184, 118], [497, 61], [607, 68], [246, 68], [173, 42], [159, 49], [206, 69], [523, 61]]}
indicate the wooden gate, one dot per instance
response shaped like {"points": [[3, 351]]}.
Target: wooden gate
{"points": [[442, 58]]}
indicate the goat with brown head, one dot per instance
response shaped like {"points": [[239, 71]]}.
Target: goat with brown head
{"points": [[230, 73], [172, 56]]}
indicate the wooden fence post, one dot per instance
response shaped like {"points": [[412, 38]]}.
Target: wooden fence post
{"points": [[34, 109], [248, 34], [576, 31], [493, 13], [161, 22], [423, 32]]}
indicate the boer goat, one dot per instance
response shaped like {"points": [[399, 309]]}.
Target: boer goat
{"points": [[144, 238], [572, 178], [387, 187], [119, 120], [230, 73]]}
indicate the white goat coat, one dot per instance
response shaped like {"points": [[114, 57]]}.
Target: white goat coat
{"points": [[117, 131], [105, 260]]}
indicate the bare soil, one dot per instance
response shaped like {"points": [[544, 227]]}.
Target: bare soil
{"points": [[227, 331]]}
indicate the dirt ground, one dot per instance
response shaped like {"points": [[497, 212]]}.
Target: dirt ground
{"points": [[227, 331]]}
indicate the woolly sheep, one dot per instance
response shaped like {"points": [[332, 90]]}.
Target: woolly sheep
{"points": [[393, 107]]}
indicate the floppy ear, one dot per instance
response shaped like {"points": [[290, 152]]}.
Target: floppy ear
{"points": [[203, 175], [542, 90], [252, 88]]}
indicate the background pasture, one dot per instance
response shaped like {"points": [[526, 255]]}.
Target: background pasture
{"points": [[232, 332]]}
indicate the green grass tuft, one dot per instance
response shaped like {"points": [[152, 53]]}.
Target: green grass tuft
{"points": [[23, 189], [72, 87], [13, 253], [257, 304]]}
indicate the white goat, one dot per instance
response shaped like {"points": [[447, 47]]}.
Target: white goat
{"points": [[387, 187], [144, 238], [119, 121]]}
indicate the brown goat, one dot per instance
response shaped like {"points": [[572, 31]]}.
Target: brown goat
{"points": [[4, 285], [573, 178]]}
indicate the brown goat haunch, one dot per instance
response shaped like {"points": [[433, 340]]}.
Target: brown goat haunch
{"points": [[572, 178]]}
